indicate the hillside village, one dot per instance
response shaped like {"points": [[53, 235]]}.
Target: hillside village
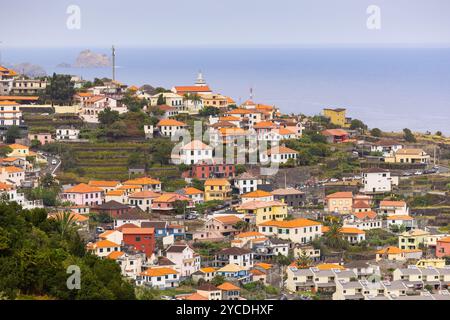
{"points": [[346, 213]]}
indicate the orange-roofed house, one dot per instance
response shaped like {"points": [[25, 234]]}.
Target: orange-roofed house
{"points": [[396, 254], [297, 230], [226, 135], [335, 135], [116, 195], [12, 175], [194, 152], [103, 248], [146, 183], [257, 195], [166, 202], [19, 151], [159, 278], [340, 202], [366, 220], [264, 211], [207, 274], [230, 291], [353, 235], [194, 297], [196, 195], [141, 239], [443, 247], [278, 154], [393, 208], [214, 100], [168, 127], [182, 90], [407, 221], [143, 199], [106, 185], [7, 77], [83, 194], [223, 224], [217, 189]]}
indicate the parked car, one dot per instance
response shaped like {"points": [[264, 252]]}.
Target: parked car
{"points": [[99, 229], [54, 162], [418, 173]]}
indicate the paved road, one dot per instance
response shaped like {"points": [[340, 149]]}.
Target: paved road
{"points": [[51, 168]]}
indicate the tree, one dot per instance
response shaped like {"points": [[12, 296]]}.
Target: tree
{"points": [[357, 124], [65, 222], [161, 150], [242, 226], [179, 206], [408, 135], [107, 116], [161, 100], [439, 133], [217, 280], [12, 134], [375, 132], [59, 91], [209, 111], [4, 150], [303, 261], [333, 237]]}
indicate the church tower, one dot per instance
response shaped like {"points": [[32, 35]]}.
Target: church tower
{"points": [[200, 81]]}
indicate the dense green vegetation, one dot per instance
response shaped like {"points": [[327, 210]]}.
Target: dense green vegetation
{"points": [[35, 253]]}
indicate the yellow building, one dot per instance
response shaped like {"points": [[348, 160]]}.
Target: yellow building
{"points": [[217, 189], [340, 202], [435, 263], [264, 210], [214, 100], [409, 156], [336, 116], [411, 240]]}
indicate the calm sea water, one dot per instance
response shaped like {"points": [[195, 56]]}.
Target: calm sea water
{"points": [[387, 88]]}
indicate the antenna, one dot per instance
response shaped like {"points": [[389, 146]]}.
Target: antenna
{"points": [[113, 63]]}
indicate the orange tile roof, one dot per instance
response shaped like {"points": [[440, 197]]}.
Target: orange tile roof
{"points": [[229, 118], [264, 124], [365, 215], [115, 193], [400, 217], [8, 103], [115, 255], [340, 195], [329, 266], [445, 240], [145, 194], [170, 197], [171, 122], [265, 266], [390, 250], [158, 272], [105, 244], [217, 182], [281, 150], [249, 234], [228, 219], [195, 296], [296, 223], [257, 272], [82, 188], [239, 111], [208, 270], [196, 145], [12, 169], [23, 98], [232, 132], [226, 286], [142, 181], [389, 203], [335, 132], [103, 183], [18, 146], [5, 186], [349, 230], [256, 194], [253, 205], [360, 204], [138, 231], [192, 190]]}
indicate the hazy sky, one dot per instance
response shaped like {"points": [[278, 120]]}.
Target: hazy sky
{"points": [[224, 23]]}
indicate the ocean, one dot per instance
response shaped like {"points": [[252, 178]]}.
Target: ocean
{"points": [[388, 88]]}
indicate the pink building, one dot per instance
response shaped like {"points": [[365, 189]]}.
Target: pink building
{"points": [[43, 138], [443, 247], [83, 194]]}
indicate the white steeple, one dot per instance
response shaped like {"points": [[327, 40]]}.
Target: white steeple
{"points": [[200, 81]]}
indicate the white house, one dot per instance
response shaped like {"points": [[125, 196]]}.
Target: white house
{"points": [[393, 208], [169, 127], [247, 182], [10, 114], [103, 248], [234, 255], [195, 152], [160, 278], [12, 175], [186, 260], [297, 230], [171, 99], [387, 148], [377, 180], [278, 154], [67, 133]]}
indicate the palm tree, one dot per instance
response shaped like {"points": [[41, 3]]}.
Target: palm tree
{"points": [[334, 235], [65, 222]]}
